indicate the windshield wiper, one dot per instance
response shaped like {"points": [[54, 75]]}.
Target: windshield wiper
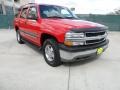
{"points": [[55, 17], [70, 17]]}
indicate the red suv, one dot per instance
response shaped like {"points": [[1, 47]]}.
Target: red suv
{"points": [[62, 36]]}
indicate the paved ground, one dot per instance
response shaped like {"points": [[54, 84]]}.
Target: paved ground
{"points": [[22, 67]]}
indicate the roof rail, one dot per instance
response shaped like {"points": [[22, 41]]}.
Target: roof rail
{"points": [[31, 3], [27, 4]]}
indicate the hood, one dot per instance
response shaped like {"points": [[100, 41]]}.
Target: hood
{"points": [[67, 24]]}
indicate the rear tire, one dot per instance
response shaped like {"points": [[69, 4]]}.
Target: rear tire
{"points": [[51, 53], [19, 38]]}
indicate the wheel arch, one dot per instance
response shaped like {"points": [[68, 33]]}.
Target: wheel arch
{"points": [[45, 36]]}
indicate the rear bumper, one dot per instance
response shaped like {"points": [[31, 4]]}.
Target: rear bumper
{"points": [[69, 56]]}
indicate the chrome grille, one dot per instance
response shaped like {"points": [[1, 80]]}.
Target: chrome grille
{"points": [[95, 41], [91, 34], [90, 37], [95, 37]]}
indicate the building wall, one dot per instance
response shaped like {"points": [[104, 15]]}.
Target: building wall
{"points": [[23, 2], [10, 6], [1, 11]]}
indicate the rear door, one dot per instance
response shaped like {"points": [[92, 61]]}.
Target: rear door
{"points": [[22, 22]]}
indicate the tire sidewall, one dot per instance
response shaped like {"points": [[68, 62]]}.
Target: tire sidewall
{"points": [[18, 34], [20, 38], [56, 61]]}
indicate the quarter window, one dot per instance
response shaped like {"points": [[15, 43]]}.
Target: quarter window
{"points": [[24, 13]]}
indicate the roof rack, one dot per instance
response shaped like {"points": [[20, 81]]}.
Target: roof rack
{"points": [[31, 3], [26, 5]]}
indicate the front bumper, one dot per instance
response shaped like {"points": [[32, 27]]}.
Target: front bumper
{"points": [[69, 55]]}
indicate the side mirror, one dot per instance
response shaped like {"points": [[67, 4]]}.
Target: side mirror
{"points": [[72, 9], [33, 17]]}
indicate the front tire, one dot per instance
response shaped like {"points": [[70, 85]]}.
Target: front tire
{"points": [[51, 53], [19, 38]]}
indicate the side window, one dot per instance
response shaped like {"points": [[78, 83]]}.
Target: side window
{"points": [[32, 14], [24, 13]]}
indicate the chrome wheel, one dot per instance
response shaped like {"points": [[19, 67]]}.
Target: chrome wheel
{"points": [[49, 52]]}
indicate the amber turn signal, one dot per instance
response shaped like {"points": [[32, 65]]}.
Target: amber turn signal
{"points": [[68, 43]]}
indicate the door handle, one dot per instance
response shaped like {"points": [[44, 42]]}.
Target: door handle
{"points": [[25, 22]]}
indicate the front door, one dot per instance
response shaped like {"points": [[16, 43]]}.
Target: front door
{"points": [[33, 25]]}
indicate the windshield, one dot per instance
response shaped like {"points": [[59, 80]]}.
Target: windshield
{"points": [[52, 11]]}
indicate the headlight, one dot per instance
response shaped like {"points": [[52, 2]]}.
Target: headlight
{"points": [[74, 35], [74, 39]]}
